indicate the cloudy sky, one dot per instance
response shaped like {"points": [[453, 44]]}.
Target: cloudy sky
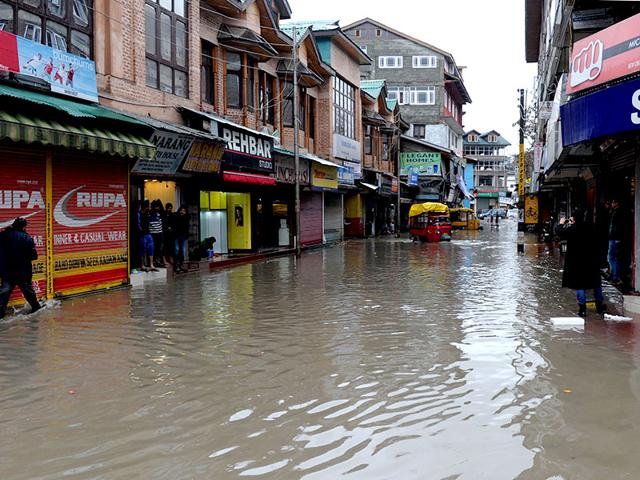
{"points": [[487, 37]]}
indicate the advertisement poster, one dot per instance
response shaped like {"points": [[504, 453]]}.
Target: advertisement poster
{"points": [[239, 221], [324, 176], [22, 194], [422, 163], [90, 224], [172, 148], [609, 54], [204, 157], [67, 74]]}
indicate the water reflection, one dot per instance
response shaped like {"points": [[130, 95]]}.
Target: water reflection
{"points": [[372, 360]]}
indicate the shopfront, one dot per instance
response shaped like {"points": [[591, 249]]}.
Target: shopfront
{"points": [[324, 177]]}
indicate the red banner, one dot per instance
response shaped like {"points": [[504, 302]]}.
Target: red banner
{"points": [[9, 61], [90, 224], [607, 55], [22, 194]]}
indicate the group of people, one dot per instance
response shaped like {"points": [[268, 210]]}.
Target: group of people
{"points": [[582, 270], [163, 236]]}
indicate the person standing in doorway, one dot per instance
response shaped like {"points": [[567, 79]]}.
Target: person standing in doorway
{"points": [[169, 237], [157, 232], [181, 232], [146, 239], [616, 229], [17, 251], [581, 269]]}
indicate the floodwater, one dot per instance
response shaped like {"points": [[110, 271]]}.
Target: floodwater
{"points": [[371, 360]]}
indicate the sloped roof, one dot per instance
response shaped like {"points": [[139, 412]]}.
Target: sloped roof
{"points": [[315, 25], [372, 87], [392, 103], [482, 139], [282, 5]]}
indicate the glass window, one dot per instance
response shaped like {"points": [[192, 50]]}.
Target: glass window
{"points": [[29, 26], [180, 86], [181, 44], [368, 140], [425, 61], [32, 3], [267, 102], [56, 8], [81, 12], [251, 85], [152, 74], [206, 73], [344, 115], [80, 44], [57, 36], [165, 36], [287, 104], [6, 17], [390, 62], [166, 4], [312, 117], [419, 131], [150, 28], [178, 7], [166, 78], [234, 80]]}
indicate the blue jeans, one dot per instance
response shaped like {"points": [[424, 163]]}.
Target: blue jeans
{"points": [[582, 295], [181, 253], [614, 260]]}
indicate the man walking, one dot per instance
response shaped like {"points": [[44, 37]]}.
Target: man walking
{"points": [[616, 226], [17, 251]]}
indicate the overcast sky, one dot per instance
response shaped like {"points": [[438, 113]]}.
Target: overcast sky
{"points": [[487, 37]]}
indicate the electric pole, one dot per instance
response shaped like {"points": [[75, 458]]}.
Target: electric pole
{"points": [[296, 147]]}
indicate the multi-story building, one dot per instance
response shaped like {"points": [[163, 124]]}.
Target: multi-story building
{"points": [[493, 167], [424, 79], [586, 114]]}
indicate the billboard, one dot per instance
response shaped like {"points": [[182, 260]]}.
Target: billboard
{"points": [[67, 74], [607, 55], [422, 163], [172, 148]]}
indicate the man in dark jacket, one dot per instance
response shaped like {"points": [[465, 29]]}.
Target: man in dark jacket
{"points": [[581, 269], [180, 223], [616, 234], [17, 250]]}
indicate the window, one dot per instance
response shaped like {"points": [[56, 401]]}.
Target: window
{"points": [[368, 140], [344, 108], [419, 131], [265, 98], [312, 117], [251, 84], [472, 137], [425, 61], [287, 104], [378, 32], [166, 46], [390, 62], [302, 111], [207, 79], [235, 88], [485, 181], [422, 95], [492, 138], [357, 33], [385, 147], [61, 24]]}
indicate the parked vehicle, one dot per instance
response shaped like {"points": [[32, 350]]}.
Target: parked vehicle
{"points": [[430, 222], [493, 212], [464, 219]]}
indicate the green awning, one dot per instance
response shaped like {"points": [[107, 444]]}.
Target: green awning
{"points": [[82, 126]]}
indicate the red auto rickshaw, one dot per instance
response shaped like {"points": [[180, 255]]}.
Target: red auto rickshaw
{"points": [[430, 222]]}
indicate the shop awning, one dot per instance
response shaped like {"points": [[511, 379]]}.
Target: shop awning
{"points": [[249, 178], [369, 186], [77, 125], [244, 39]]}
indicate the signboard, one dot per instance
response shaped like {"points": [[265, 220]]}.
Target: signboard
{"points": [[607, 112], [545, 109], [609, 54], [346, 175], [286, 170], [346, 148], [246, 149], [172, 148], [90, 224], [66, 73], [521, 172], [324, 176], [394, 185], [531, 210], [537, 156], [22, 194], [204, 157], [413, 178], [422, 163]]}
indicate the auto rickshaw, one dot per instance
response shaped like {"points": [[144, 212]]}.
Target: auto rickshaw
{"points": [[430, 222], [464, 219]]}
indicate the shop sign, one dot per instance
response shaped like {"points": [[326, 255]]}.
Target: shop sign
{"points": [[346, 175], [172, 148], [531, 210], [246, 148], [324, 176], [422, 163], [204, 157], [66, 74], [607, 112], [413, 178], [394, 185], [346, 148], [286, 170], [385, 184], [609, 54]]}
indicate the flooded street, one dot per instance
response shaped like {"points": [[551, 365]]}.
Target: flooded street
{"points": [[371, 360]]}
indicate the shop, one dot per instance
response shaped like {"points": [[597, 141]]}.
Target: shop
{"points": [[66, 170], [324, 195]]}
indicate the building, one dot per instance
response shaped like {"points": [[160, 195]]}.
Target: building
{"points": [[586, 115], [425, 80], [492, 167]]}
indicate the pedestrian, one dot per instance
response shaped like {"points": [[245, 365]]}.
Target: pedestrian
{"points": [[616, 233], [17, 251], [146, 239], [169, 237], [181, 232], [581, 269], [157, 232]]}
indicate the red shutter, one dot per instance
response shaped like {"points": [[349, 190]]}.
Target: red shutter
{"points": [[23, 194], [90, 223], [311, 218]]}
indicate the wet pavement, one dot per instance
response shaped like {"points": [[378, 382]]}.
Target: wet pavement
{"points": [[371, 360]]}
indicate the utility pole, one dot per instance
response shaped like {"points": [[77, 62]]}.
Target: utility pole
{"points": [[521, 163], [296, 147], [399, 198]]}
